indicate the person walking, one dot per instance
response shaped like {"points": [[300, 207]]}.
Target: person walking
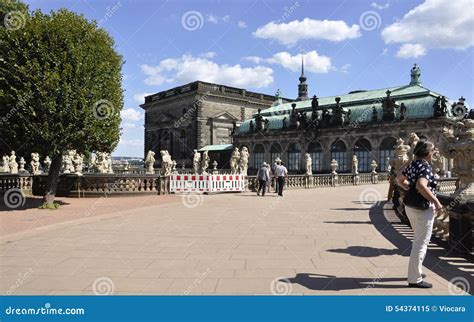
{"points": [[281, 173], [263, 175], [420, 204]]}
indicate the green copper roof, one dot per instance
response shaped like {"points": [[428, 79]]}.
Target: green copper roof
{"points": [[417, 99]]}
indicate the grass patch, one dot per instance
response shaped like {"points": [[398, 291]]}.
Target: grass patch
{"points": [[54, 206]]}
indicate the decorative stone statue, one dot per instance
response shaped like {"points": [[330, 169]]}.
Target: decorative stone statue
{"points": [[325, 118], [389, 167], [252, 126], [126, 166], [109, 163], [149, 162], [66, 163], [101, 162], [349, 116], [166, 163], [374, 166], [6, 166], [388, 108], [403, 110], [22, 166], [234, 161], [437, 163], [78, 163], [302, 120], [355, 165], [334, 166], [293, 117], [308, 164], [12, 163], [314, 108], [401, 155], [244, 161], [375, 116], [415, 75], [259, 121], [205, 162], [47, 164], [35, 164], [196, 162], [412, 141], [338, 113], [278, 98]]}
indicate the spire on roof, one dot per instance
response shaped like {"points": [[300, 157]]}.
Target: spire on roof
{"points": [[302, 87]]}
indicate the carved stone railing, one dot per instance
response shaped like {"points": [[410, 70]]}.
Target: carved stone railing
{"points": [[23, 182], [447, 185], [321, 180]]}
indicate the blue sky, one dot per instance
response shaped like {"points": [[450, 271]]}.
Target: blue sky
{"points": [[257, 45]]}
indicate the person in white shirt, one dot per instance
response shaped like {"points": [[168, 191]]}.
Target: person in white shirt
{"points": [[281, 173]]}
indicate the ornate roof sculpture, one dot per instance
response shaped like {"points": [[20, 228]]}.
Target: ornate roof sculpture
{"points": [[405, 103]]}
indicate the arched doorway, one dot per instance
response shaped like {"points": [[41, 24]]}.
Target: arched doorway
{"points": [[387, 150], [294, 157], [339, 153]]}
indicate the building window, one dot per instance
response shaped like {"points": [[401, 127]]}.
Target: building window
{"points": [[387, 149], [339, 153], [183, 144], [275, 152], [315, 151], [363, 151], [294, 155], [258, 156]]}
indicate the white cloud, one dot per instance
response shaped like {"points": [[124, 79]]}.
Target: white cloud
{"points": [[344, 68], [130, 114], [434, 24], [411, 51], [242, 24], [212, 18], [380, 6], [140, 97], [188, 68], [129, 126], [290, 33], [209, 54], [130, 143], [313, 62]]}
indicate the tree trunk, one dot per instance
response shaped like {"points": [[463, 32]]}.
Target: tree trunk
{"points": [[52, 182]]}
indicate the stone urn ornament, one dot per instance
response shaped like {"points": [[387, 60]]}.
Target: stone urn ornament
{"points": [[373, 165], [22, 166], [334, 166]]}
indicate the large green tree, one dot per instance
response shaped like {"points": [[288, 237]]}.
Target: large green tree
{"points": [[60, 87]]}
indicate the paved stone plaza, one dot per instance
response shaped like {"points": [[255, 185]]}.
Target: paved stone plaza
{"points": [[320, 241]]}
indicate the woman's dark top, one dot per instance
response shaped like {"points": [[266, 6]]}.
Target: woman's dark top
{"points": [[420, 169]]}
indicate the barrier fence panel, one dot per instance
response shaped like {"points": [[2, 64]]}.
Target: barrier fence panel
{"points": [[206, 183]]}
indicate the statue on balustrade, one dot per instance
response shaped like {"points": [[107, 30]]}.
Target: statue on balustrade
{"points": [[259, 121], [252, 126], [205, 162], [166, 163], [12, 163], [284, 123], [196, 162], [355, 165], [47, 164], [338, 113], [149, 162], [66, 163], [388, 108], [22, 166], [302, 120], [412, 141], [5, 166], [308, 164], [401, 156], [314, 109], [244, 161], [78, 163], [234, 161], [35, 164], [440, 108], [375, 116], [325, 118], [293, 117], [403, 110]]}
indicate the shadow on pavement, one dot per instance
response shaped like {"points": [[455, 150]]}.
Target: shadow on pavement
{"points": [[365, 251], [322, 282]]}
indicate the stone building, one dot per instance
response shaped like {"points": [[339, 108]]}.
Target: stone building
{"points": [[362, 123], [197, 115]]}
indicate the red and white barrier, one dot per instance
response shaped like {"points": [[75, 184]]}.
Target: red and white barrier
{"points": [[207, 183]]}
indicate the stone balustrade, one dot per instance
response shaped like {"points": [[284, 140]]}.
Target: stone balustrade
{"points": [[16, 181]]}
